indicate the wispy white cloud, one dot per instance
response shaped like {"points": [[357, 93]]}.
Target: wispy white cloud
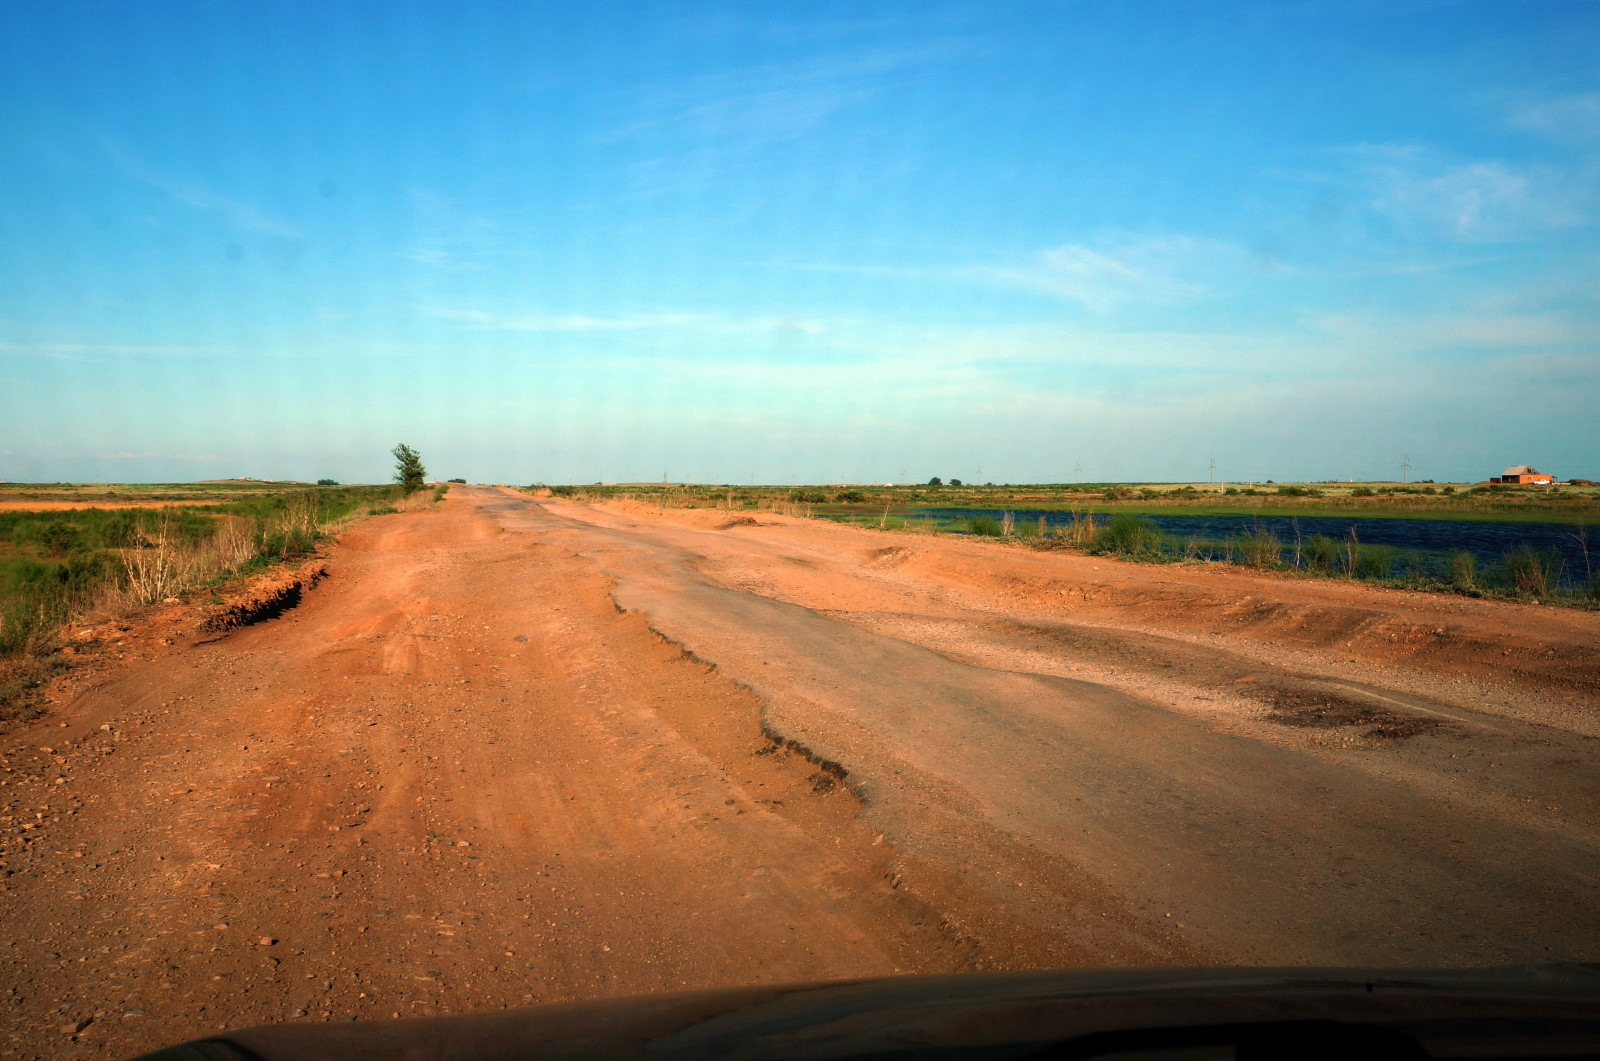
{"points": [[240, 215], [486, 320], [774, 101], [449, 234], [556, 322], [1123, 271], [1109, 275], [1573, 118], [710, 129], [1485, 200]]}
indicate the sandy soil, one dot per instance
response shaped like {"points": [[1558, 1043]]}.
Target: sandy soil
{"points": [[517, 750]]}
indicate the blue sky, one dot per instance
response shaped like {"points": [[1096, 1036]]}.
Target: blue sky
{"points": [[799, 242]]}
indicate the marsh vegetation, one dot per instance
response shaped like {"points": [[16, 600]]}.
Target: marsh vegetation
{"points": [[1529, 543]]}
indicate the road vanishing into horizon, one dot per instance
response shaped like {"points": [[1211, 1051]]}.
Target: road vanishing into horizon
{"points": [[516, 750]]}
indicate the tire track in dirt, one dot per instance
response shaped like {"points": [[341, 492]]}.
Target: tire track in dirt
{"points": [[453, 778], [1263, 845]]}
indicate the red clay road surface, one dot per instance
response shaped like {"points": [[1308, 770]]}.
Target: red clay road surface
{"points": [[516, 750]]}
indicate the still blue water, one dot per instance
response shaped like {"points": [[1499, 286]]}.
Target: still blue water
{"points": [[1421, 545]]}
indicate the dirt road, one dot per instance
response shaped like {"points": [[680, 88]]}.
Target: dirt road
{"points": [[513, 751]]}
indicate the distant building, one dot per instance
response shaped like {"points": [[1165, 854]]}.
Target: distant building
{"points": [[1522, 473]]}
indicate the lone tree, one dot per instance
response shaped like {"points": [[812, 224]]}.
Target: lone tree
{"points": [[408, 469]]}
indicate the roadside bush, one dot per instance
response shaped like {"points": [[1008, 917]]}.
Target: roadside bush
{"points": [[1129, 535], [1532, 570], [984, 525], [1375, 561], [1260, 548], [1319, 552], [1080, 528]]}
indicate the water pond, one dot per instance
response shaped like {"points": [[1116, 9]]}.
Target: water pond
{"points": [[1403, 546]]}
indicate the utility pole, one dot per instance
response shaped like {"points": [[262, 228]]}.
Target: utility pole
{"points": [[1077, 473], [1405, 468], [1213, 471], [979, 481]]}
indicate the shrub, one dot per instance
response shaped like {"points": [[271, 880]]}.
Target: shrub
{"points": [[1260, 547], [1533, 571], [1375, 561], [1129, 535], [1080, 528], [1298, 491], [327, 482], [463, 482], [849, 496], [1463, 569], [1349, 550], [983, 524], [1362, 491], [1320, 551]]}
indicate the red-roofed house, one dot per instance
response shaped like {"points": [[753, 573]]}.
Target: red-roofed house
{"points": [[1522, 473]]}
